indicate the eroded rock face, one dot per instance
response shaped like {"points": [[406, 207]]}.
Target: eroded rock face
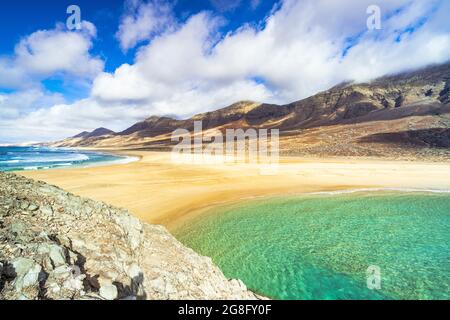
{"points": [[54, 245]]}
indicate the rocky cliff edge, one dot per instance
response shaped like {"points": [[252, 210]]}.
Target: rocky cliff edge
{"points": [[54, 245]]}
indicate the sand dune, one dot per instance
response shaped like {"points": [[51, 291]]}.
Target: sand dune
{"points": [[159, 191]]}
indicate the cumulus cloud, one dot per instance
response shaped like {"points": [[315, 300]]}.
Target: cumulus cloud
{"points": [[304, 47], [20, 103], [142, 21], [16, 106], [55, 119], [45, 53]]}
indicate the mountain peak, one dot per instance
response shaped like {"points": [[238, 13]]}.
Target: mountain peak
{"points": [[81, 135], [154, 119], [96, 133], [100, 132]]}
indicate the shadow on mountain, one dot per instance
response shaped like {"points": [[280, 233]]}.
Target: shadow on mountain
{"points": [[401, 112], [432, 138]]}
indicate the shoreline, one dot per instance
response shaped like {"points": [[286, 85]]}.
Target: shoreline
{"points": [[160, 192], [120, 158], [129, 259], [209, 208]]}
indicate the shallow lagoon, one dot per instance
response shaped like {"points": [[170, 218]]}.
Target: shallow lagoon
{"points": [[320, 246]]}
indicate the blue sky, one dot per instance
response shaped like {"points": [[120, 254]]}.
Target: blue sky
{"points": [[137, 58], [21, 18]]}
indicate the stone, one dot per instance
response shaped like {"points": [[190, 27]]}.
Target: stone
{"points": [[57, 255], [134, 271], [47, 264], [64, 241], [75, 283], [18, 227], [109, 292], [27, 273], [47, 210], [24, 205], [33, 207], [62, 272], [73, 258], [44, 236]]}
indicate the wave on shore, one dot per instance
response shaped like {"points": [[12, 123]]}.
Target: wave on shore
{"points": [[42, 158]]}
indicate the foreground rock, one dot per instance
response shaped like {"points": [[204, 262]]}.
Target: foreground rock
{"points": [[54, 245]]}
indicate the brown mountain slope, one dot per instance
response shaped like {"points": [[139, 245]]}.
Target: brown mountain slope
{"points": [[85, 138], [407, 102]]}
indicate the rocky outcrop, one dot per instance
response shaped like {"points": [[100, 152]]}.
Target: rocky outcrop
{"points": [[54, 245]]}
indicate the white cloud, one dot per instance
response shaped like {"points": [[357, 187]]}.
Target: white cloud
{"points": [[20, 103], [45, 53], [297, 53], [56, 119], [143, 21], [17, 106]]}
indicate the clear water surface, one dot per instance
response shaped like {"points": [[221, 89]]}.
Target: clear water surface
{"points": [[320, 246]]}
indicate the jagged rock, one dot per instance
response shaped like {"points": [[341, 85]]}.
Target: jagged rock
{"points": [[32, 207], [75, 248], [109, 292], [24, 205], [57, 255], [26, 282], [18, 228]]}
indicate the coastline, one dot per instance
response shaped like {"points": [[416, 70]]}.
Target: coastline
{"points": [[208, 209], [161, 192], [21, 159]]}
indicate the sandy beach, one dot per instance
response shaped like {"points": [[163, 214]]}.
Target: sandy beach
{"points": [[162, 192]]}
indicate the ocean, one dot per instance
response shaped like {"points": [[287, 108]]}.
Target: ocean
{"points": [[322, 246], [40, 158]]}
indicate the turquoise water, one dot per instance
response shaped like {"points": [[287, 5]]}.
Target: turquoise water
{"points": [[320, 246], [36, 158]]}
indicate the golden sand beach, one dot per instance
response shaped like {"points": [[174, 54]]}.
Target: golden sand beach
{"points": [[159, 191]]}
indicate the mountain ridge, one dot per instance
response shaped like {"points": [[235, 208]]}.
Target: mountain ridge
{"points": [[95, 133], [396, 99]]}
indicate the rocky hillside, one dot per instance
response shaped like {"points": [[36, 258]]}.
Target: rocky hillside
{"points": [[407, 102], [54, 245]]}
